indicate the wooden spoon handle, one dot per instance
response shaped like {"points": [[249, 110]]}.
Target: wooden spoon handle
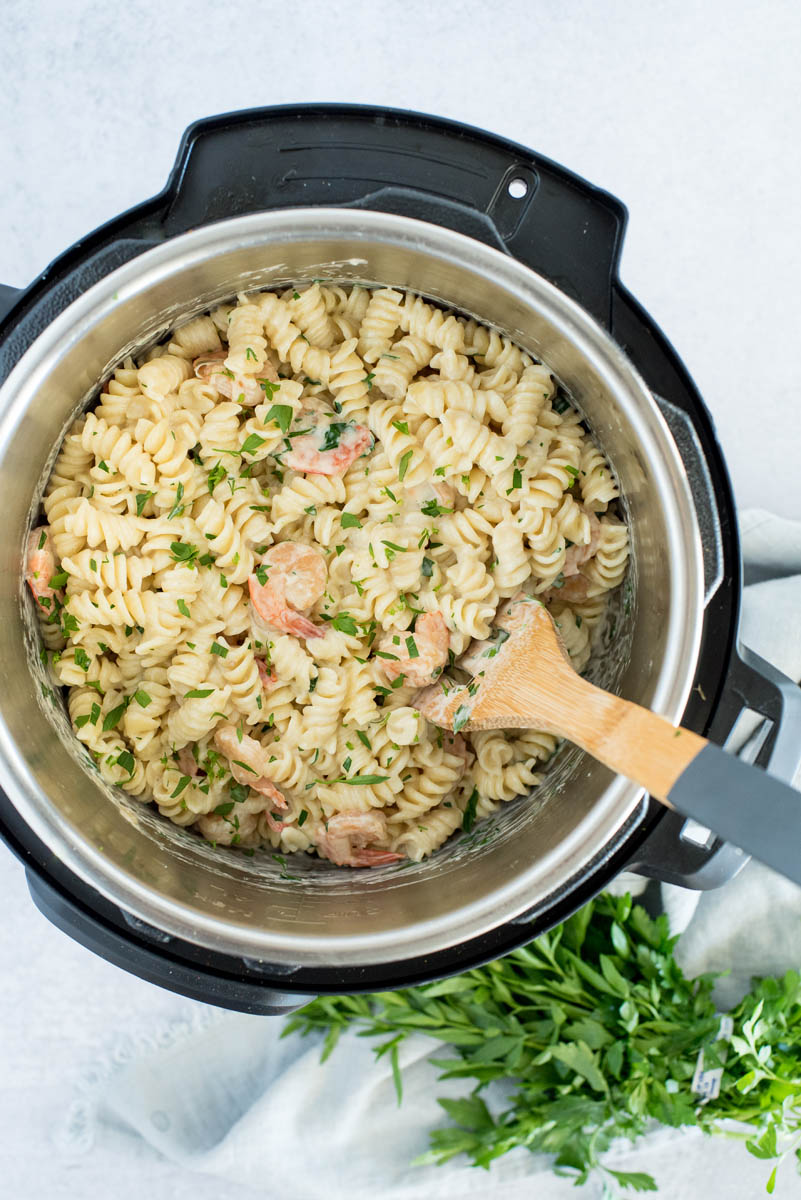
{"points": [[740, 802], [632, 741]]}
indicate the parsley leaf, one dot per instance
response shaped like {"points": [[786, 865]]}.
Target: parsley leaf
{"points": [[280, 413]]}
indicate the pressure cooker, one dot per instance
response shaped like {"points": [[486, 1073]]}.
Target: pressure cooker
{"points": [[268, 197]]}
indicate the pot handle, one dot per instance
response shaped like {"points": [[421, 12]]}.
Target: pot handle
{"points": [[8, 298], [408, 163], [161, 968], [680, 850]]}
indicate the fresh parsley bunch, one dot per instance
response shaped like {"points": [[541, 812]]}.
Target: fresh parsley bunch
{"points": [[599, 1029]]}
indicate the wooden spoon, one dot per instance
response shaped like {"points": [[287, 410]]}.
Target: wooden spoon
{"points": [[530, 683]]}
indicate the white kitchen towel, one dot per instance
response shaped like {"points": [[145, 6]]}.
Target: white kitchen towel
{"points": [[223, 1094]]}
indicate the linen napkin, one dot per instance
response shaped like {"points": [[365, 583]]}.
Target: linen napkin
{"points": [[221, 1093]]}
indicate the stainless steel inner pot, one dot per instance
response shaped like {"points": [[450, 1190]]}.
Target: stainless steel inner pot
{"points": [[308, 912]]}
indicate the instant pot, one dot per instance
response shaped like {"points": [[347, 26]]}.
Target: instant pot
{"points": [[271, 196]]}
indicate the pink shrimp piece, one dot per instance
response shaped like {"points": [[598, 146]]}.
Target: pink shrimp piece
{"points": [[307, 453], [573, 591], [432, 641], [576, 556], [40, 565], [247, 760], [186, 761], [348, 838], [455, 744], [296, 579], [267, 675], [246, 389]]}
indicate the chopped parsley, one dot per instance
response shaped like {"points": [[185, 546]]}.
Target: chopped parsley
{"points": [[403, 466], [183, 552], [461, 717], [177, 507], [345, 623], [216, 475], [348, 521], [82, 659], [126, 760], [280, 413], [114, 716], [469, 817], [333, 434], [432, 509], [252, 443]]}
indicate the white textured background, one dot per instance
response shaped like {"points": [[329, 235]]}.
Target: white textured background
{"points": [[688, 113]]}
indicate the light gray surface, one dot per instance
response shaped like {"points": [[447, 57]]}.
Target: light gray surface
{"points": [[688, 113]]}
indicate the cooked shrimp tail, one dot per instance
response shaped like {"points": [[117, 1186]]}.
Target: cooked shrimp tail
{"points": [[293, 578], [348, 839], [431, 641], [40, 564]]}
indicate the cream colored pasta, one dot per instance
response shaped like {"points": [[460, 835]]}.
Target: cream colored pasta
{"points": [[278, 525]]}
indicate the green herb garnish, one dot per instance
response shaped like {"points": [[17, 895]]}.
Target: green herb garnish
{"points": [[461, 717], [432, 509], [280, 413], [333, 434], [469, 816], [345, 623], [348, 521], [252, 443], [177, 507], [216, 475], [114, 716], [182, 552]]}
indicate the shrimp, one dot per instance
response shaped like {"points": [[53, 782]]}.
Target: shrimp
{"points": [[346, 839], [573, 591], [267, 675], [247, 389], [296, 580], [40, 567], [247, 760], [329, 448], [431, 641], [455, 744], [187, 763]]}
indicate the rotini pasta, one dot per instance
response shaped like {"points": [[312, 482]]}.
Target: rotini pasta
{"points": [[279, 524]]}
